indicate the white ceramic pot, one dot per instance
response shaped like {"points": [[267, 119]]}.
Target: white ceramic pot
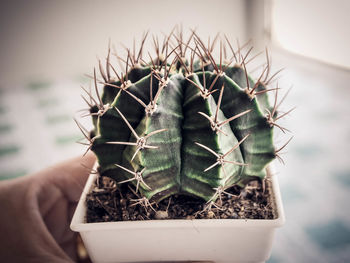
{"points": [[218, 240]]}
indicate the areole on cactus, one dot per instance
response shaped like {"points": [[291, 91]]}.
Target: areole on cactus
{"points": [[178, 125]]}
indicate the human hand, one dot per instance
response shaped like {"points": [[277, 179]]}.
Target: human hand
{"points": [[36, 211]]}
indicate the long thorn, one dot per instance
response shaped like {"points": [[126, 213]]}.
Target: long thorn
{"points": [[236, 146], [127, 123], [253, 57], [151, 88], [284, 114], [280, 149], [205, 116], [280, 127], [123, 143], [90, 96], [115, 71], [219, 103], [237, 163], [214, 81], [214, 41], [133, 157], [136, 98], [90, 105], [107, 61], [220, 55], [125, 169], [234, 117], [83, 130], [246, 75], [259, 79], [208, 149], [181, 61], [246, 55], [284, 97], [189, 40], [233, 52], [195, 84], [155, 132], [96, 90], [127, 66], [204, 79], [275, 106], [103, 74], [264, 91], [141, 47], [274, 75], [211, 167]]}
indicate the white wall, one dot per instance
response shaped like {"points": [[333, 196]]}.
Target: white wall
{"points": [[314, 28], [56, 39]]}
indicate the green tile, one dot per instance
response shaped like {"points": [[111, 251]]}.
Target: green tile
{"points": [[5, 128], [67, 139], [292, 194], [12, 174], [308, 150], [8, 150], [2, 110], [342, 177], [39, 85], [331, 235], [47, 103], [54, 119]]}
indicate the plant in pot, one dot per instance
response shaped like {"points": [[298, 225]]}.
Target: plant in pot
{"points": [[183, 145]]}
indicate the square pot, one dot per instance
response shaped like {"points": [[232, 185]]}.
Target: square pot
{"points": [[218, 240]]}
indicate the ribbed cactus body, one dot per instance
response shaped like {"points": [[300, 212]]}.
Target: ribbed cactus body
{"points": [[162, 165], [176, 162], [195, 159], [172, 130]]}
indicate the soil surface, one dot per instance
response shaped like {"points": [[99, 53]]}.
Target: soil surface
{"points": [[107, 203]]}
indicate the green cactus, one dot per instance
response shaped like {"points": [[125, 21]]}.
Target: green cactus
{"points": [[193, 126]]}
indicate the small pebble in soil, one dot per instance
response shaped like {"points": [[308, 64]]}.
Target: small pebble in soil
{"points": [[161, 214]]}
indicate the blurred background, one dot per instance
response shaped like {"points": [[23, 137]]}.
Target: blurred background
{"points": [[46, 48]]}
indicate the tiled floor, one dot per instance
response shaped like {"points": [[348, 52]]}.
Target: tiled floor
{"points": [[37, 130]]}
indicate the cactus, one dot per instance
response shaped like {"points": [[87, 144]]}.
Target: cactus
{"points": [[177, 125]]}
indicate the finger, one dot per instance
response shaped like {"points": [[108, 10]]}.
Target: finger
{"points": [[70, 176]]}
